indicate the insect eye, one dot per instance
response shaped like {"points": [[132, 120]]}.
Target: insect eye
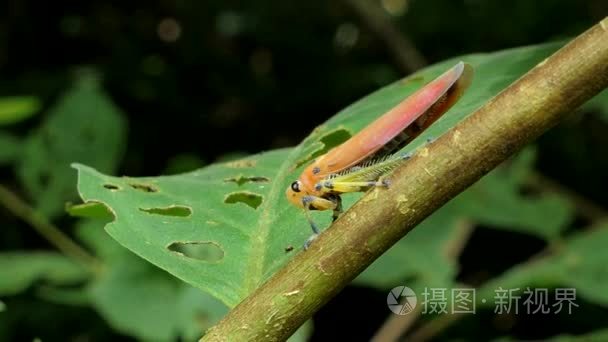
{"points": [[295, 186]]}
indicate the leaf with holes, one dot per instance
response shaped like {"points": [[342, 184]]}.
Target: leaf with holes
{"points": [[167, 309], [227, 227]]}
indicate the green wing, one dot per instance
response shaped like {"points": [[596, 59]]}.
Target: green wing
{"points": [[363, 176]]}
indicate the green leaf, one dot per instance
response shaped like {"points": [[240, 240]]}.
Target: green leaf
{"points": [[196, 312], [84, 126], [497, 200], [167, 309], [238, 213], [17, 108], [10, 147], [580, 263], [303, 333], [21, 270], [600, 103]]}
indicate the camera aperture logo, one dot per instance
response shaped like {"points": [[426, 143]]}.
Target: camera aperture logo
{"points": [[401, 300]]}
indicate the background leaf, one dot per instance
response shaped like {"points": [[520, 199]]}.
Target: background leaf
{"points": [[578, 262], [498, 200], [599, 103], [10, 148], [20, 270], [17, 108], [83, 126]]}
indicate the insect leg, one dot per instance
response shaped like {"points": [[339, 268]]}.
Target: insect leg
{"points": [[318, 203], [309, 241], [343, 187], [337, 209], [315, 203], [313, 225]]}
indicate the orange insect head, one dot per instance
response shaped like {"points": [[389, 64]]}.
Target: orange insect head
{"points": [[302, 187], [295, 194]]}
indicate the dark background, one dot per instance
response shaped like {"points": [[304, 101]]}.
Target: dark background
{"points": [[199, 80], [248, 76]]}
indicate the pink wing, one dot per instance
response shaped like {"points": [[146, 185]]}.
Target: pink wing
{"points": [[412, 116]]}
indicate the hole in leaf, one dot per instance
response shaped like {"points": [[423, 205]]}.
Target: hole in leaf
{"points": [[111, 187], [174, 210], [328, 141], [240, 180], [334, 138], [249, 198], [241, 163], [143, 187], [90, 209], [207, 251]]}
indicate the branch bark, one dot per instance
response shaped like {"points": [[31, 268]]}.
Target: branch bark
{"points": [[438, 172]]}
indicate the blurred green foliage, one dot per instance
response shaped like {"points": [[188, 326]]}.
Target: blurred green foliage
{"points": [[202, 81], [15, 109], [83, 125]]}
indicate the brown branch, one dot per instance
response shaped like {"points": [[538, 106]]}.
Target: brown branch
{"points": [[396, 326], [523, 111], [404, 52], [434, 327]]}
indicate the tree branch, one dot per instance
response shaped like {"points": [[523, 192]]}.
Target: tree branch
{"points": [[403, 51], [45, 228], [438, 172]]}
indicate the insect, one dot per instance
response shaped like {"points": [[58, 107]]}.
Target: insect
{"points": [[360, 163]]}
